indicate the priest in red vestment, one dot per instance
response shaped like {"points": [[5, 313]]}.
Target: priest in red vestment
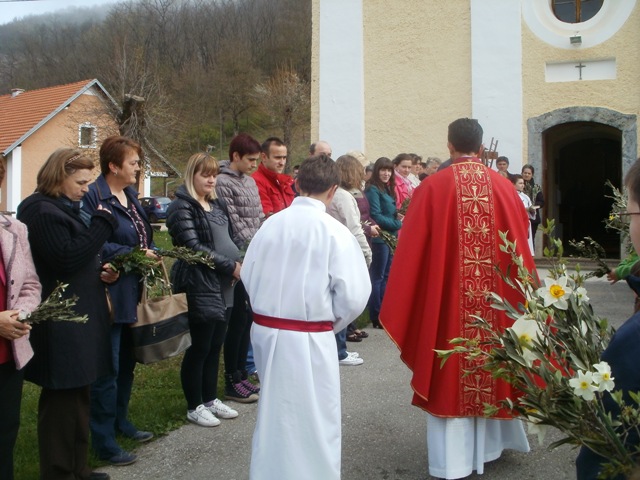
{"points": [[442, 272]]}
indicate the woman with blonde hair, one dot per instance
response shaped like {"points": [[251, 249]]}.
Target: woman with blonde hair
{"points": [[198, 220]]}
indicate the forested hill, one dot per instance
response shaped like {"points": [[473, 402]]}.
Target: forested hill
{"points": [[207, 68]]}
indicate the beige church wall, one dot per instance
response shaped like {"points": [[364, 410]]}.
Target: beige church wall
{"points": [[621, 94], [405, 109], [62, 131]]}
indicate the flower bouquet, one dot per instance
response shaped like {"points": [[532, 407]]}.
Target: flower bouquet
{"points": [[616, 222], [551, 354], [55, 308], [150, 269], [405, 206], [591, 249], [388, 238]]}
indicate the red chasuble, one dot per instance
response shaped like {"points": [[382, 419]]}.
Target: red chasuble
{"points": [[442, 271]]}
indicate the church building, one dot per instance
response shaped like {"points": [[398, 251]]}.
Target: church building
{"points": [[556, 83]]}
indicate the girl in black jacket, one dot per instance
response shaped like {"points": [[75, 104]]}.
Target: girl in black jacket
{"points": [[198, 220]]}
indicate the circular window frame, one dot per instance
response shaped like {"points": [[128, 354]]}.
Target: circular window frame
{"points": [[552, 2], [540, 18]]}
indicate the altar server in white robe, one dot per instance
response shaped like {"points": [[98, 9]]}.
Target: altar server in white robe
{"points": [[306, 278]]}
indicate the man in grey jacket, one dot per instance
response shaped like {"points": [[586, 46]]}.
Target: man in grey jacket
{"points": [[239, 191]]}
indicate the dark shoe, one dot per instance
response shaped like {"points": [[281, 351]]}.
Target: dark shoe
{"points": [[141, 436], [353, 337], [123, 458], [99, 476], [362, 334], [250, 386], [377, 325], [239, 393]]}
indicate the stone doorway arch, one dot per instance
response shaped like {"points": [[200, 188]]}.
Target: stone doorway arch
{"points": [[557, 135]]}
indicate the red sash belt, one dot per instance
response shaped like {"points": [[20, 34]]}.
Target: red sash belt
{"points": [[295, 325]]}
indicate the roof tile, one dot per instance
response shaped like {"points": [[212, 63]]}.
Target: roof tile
{"points": [[20, 114]]}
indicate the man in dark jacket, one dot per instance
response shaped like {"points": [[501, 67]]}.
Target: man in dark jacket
{"points": [[238, 189]]}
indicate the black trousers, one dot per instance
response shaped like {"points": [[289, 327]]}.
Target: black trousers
{"points": [[238, 338], [63, 433], [199, 370], [11, 381]]}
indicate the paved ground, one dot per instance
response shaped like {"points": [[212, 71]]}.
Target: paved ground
{"points": [[383, 435]]}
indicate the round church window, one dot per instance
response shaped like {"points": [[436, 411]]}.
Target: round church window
{"points": [[576, 11]]}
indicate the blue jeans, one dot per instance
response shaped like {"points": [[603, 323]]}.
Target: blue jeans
{"points": [[110, 396], [379, 273], [250, 366], [341, 342]]}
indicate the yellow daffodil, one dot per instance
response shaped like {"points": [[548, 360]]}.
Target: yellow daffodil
{"points": [[555, 292]]}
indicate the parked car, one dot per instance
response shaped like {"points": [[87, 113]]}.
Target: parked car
{"points": [[155, 207]]}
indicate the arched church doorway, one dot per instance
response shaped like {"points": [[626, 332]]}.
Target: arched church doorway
{"points": [[578, 159]]}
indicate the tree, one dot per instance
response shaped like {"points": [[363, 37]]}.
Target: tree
{"points": [[285, 98], [234, 78]]}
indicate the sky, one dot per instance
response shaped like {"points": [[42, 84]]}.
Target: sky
{"points": [[9, 10]]}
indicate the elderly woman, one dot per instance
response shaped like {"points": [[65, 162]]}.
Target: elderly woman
{"points": [[198, 220], [113, 189], [19, 292], [66, 243]]}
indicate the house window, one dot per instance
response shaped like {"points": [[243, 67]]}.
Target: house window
{"points": [[576, 11], [87, 135]]}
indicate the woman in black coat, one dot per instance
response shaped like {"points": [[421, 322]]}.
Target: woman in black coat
{"points": [[199, 221], [68, 357]]}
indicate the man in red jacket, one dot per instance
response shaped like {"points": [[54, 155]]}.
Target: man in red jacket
{"points": [[275, 187]]}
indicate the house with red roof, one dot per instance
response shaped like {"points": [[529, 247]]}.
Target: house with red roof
{"points": [[35, 123]]}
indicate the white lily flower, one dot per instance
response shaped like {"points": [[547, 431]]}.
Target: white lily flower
{"points": [[555, 292], [527, 330], [535, 428], [603, 377], [581, 295], [583, 385]]}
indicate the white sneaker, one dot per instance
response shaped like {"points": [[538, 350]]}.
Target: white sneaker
{"points": [[221, 410], [203, 417], [351, 360], [354, 354]]}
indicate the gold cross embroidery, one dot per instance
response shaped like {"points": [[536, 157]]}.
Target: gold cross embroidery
{"points": [[475, 198]]}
